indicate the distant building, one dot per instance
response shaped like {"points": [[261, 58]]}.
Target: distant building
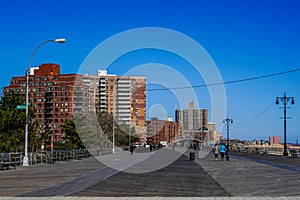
{"points": [[161, 130], [213, 136], [193, 122], [274, 140], [122, 96]]}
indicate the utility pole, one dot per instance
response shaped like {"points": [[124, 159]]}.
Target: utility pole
{"points": [[285, 101], [228, 121]]}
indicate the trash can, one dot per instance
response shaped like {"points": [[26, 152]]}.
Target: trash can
{"points": [[192, 155]]}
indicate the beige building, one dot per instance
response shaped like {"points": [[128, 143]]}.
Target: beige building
{"points": [[122, 96], [213, 136], [193, 121]]}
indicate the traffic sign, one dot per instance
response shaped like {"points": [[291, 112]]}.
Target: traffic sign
{"points": [[21, 107]]}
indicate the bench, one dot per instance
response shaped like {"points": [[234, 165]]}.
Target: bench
{"points": [[6, 162], [294, 153], [51, 158]]}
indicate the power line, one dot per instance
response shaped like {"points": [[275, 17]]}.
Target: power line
{"points": [[227, 82], [222, 83], [255, 117]]}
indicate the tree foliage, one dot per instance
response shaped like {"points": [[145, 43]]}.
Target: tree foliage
{"points": [[122, 130], [12, 124], [71, 138]]}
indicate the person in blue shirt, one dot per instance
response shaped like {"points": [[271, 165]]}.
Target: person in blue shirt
{"points": [[222, 150]]}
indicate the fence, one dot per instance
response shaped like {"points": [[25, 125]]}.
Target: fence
{"points": [[292, 152], [45, 156]]}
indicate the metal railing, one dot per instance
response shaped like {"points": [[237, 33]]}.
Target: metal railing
{"points": [[292, 152], [46, 156]]}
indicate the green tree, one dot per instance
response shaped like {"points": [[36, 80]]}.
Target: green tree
{"points": [[71, 138], [122, 132], [12, 124]]}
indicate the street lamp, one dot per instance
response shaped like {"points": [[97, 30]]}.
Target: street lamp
{"points": [[59, 40], [285, 101], [228, 121]]}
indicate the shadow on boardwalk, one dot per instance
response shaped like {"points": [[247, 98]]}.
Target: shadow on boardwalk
{"points": [[242, 176]]}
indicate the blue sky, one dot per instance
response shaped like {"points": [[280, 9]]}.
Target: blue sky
{"points": [[244, 38]]}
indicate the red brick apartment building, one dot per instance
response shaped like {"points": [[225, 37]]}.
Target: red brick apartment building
{"points": [[52, 95], [161, 130], [57, 97]]}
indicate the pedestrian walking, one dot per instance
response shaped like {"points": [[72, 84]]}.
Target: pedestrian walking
{"points": [[131, 148], [216, 151], [227, 154], [222, 150]]}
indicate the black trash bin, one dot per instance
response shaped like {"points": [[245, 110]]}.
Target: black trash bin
{"points": [[192, 155]]}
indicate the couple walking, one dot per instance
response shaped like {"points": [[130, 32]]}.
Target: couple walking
{"points": [[220, 149]]}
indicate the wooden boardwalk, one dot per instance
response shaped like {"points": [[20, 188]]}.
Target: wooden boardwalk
{"points": [[242, 176]]}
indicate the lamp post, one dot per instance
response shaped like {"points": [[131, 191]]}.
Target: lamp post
{"points": [[285, 101], [228, 121], [115, 93], [59, 40]]}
